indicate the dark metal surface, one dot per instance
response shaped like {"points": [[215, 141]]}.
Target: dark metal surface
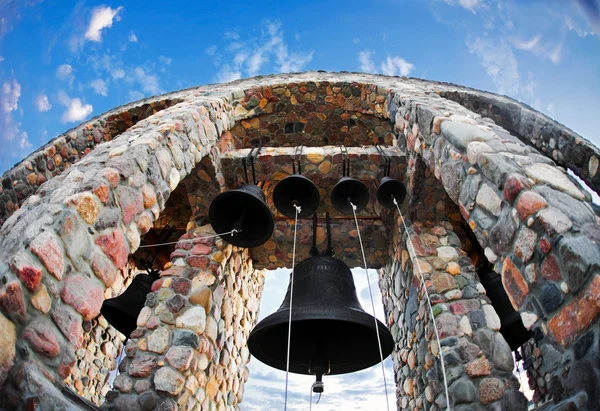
{"points": [[389, 189], [122, 311], [296, 189], [242, 208], [326, 318], [349, 189], [512, 327]]}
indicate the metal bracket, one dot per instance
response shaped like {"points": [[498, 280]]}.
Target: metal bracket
{"points": [[345, 161], [387, 161], [297, 157], [251, 159]]}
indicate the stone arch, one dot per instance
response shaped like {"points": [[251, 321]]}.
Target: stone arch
{"points": [[510, 195]]}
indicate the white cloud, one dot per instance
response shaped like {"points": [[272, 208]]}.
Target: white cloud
{"points": [[9, 102], [1, 59], [117, 73], [102, 17], [148, 82], [75, 109], [99, 87], [470, 5], [251, 55], [24, 141], [211, 50], [42, 103], [64, 72], [499, 62], [396, 66], [165, 60], [550, 108], [527, 44], [132, 38], [226, 74], [366, 61]]}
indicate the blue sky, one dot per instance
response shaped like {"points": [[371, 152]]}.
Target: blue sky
{"points": [[64, 62]]}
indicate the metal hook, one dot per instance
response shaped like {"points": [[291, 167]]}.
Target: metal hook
{"points": [[330, 252]]}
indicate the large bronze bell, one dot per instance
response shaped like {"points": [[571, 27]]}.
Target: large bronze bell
{"points": [[390, 189], [331, 333], [122, 311], [512, 327], [245, 210]]}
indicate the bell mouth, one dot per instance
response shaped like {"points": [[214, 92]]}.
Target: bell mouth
{"points": [[388, 190], [347, 336]]}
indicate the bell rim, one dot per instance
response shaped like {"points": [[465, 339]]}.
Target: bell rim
{"points": [[307, 210], [345, 314], [390, 186], [228, 237], [341, 206]]}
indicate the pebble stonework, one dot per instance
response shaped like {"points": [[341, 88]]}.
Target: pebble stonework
{"points": [[487, 181]]}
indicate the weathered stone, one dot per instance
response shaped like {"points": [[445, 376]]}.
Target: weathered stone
{"points": [[489, 200], [193, 319], [74, 234], [8, 339], [443, 282], [176, 303], [84, 295], [550, 297], [550, 269], [552, 176], [88, 206], [580, 256], [168, 381], [131, 203], [461, 135], [41, 300], [502, 356], [515, 183], [554, 221], [142, 365], [525, 244], [115, 247], [27, 271], [180, 357], [490, 390], [491, 317], [69, 323], [41, 336], [104, 269], [515, 285], [576, 316], [123, 383], [501, 235], [181, 285], [478, 367], [577, 212], [463, 390], [529, 203], [188, 338], [447, 325], [158, 341], [497, 167], [47, 248], [11, 300], [109, 218], [202, 297], [452, 178]]}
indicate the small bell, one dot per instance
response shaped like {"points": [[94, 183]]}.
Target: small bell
{"points": [[296, 190], [390, 189], [244, 211], [122, 311], [349, 190]]}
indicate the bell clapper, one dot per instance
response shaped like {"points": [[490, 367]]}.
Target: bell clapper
{"points": [[318, 367]]}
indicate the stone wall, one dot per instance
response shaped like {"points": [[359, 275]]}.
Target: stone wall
{"points": [[63, 247], [478, 361], [189, 350]]}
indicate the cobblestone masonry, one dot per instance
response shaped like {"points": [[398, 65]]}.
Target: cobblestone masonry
{"points": [[478, 360], [533, 220]]}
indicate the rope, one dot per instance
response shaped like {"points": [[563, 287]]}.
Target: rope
{"points": [[437, 335], [372, 305], [232, 232], [287, 367]]}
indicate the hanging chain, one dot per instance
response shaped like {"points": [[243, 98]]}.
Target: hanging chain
{"points": [[372, 305], [287, 366], [437, 335]]}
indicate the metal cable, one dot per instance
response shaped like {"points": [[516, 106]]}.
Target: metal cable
{"points": [[287, 367], [437, 335], [372, 305], [233, 232]]}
